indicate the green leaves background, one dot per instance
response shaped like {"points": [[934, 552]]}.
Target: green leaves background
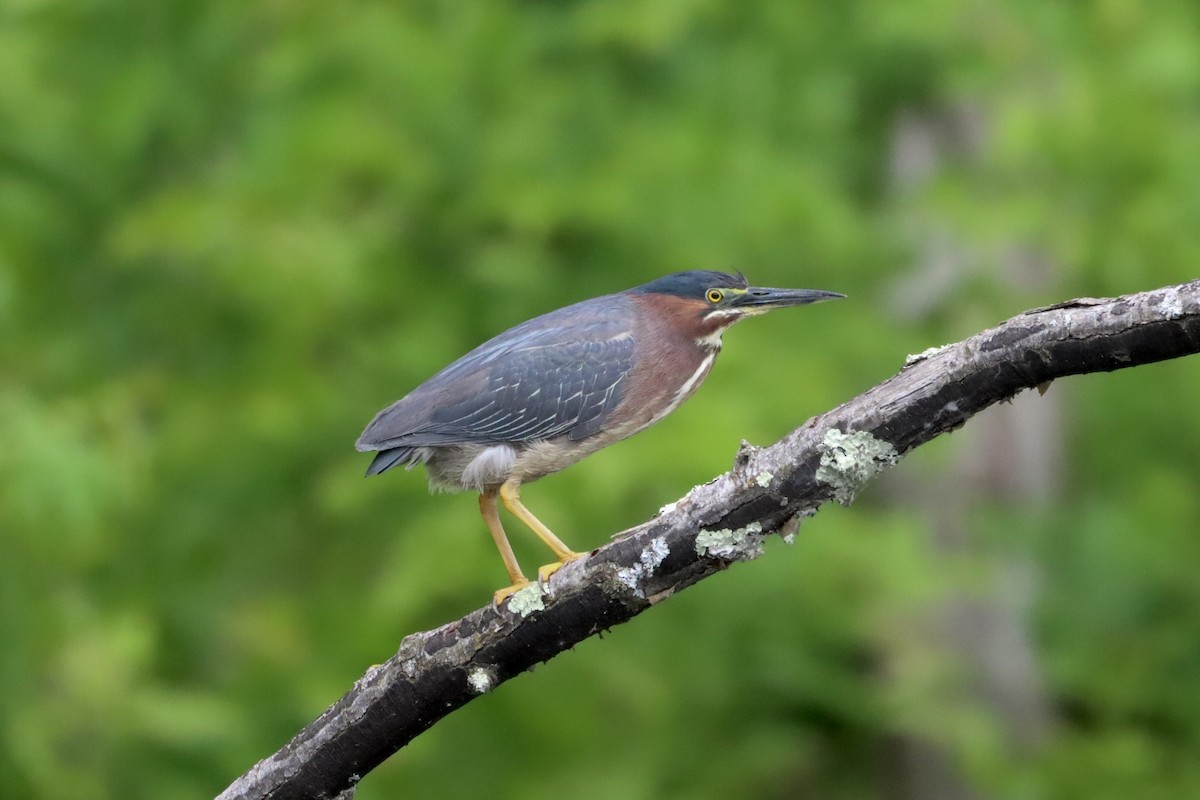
{"points": [[230, 232]]}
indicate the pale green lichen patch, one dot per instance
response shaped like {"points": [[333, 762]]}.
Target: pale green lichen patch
{"points": [[850, 460], [1171, 306], [928, 352], [480, 680], [763, 479], [741, 544], [651, 556], [527, 600]]}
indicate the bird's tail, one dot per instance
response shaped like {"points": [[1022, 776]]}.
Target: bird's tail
{"points": [[386, 459]]}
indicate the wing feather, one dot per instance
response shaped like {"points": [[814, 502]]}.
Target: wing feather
{"points": [[545, 378]]}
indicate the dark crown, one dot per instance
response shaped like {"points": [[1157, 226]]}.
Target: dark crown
{"points": [[692, 284]]}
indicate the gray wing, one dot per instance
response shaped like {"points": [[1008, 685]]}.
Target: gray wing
{"points": [[538, 381]]}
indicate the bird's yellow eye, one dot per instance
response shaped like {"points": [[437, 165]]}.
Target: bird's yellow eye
{"points": [[715, 295]]}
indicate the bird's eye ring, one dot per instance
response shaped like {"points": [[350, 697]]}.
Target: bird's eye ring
{"points": [[715, 295]]}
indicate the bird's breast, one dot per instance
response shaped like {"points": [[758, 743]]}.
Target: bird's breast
{"points": [[688, 387], [670, 368]]}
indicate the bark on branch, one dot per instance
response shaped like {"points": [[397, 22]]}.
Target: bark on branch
{"points": [[768, 491]]}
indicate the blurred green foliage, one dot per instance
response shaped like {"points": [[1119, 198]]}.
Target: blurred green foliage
{"points": [[230, 232]]}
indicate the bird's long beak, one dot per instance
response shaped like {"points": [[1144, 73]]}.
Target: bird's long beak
{"points": [[759, 299]]}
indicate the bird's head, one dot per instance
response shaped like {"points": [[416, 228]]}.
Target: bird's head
{"points": [[704, 302]]}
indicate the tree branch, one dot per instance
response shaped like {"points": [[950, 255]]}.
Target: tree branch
{"points": [[768, 491]]}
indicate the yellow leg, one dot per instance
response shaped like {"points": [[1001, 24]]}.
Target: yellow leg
{"points": [[487, 507], [510, 494]]}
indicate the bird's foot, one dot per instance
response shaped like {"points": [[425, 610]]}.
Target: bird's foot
{"points": [[544, 572], [508, 591]]}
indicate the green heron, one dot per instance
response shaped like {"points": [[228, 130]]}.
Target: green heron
{"points": [[541, 396]]}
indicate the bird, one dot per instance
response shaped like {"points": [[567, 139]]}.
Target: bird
{"points": [[556, 388]]}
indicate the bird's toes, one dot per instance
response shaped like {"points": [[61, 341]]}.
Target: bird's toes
{"points": [[508, 591], [544, 572]]}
